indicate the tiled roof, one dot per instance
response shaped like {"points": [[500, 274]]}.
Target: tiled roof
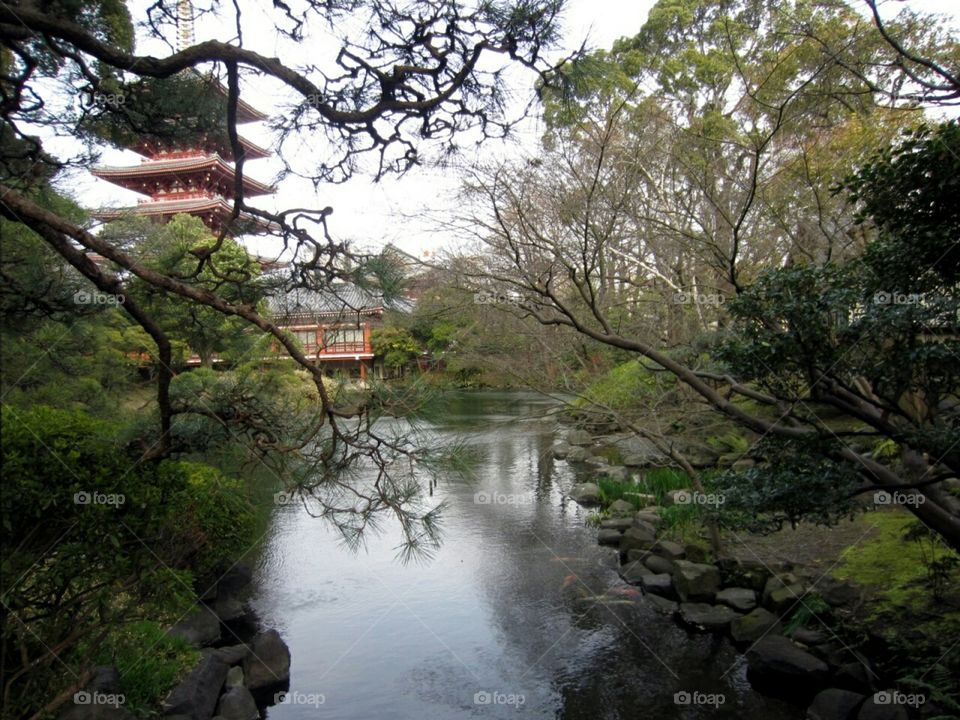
{"points": [[341, 300]]}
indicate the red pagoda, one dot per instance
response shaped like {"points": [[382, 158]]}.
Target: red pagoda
{"points": [[198, 180]]}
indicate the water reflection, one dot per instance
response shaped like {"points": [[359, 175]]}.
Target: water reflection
{"points": [[505, 620]]}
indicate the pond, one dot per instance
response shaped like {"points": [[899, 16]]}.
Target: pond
{"points": [[503, 621]]}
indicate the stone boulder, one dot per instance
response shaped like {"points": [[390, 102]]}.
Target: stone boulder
{"points": [[669, 550], [228, 608], [578, 455], [781, 592], [745, 573], [586, 493], [658, 564], [609, 537], [777, 666], [637, 538], [661, 604], [617, 523], [650, 517], [659, 584], [875, 707], [634, 572], [579, 438], [712, 618], [237, 704], [740, 599], [754, 625], [835, 704], [201, 627], [616, 472], [269, 661], [621, 509], [234, 677], [695, 581], [197, 694], [561, 450]]}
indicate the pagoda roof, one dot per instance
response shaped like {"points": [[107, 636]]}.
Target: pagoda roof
{"points": [[215, 211], [338, 301], [154, 169], [212, 145]]}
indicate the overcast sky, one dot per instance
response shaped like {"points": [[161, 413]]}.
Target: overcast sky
{"points": [[374, 214]]}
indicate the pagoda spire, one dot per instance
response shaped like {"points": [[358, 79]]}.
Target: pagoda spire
{"points": [[185, 37]]}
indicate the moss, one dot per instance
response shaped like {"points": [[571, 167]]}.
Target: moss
{"points": [[622, 387], [894, 568]]}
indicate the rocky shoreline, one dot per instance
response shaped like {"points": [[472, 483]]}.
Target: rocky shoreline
{"points": [[748, 601], [242, 668]]}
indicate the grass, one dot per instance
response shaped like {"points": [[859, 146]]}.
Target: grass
{"points": [[893, 567], [150, 663]]}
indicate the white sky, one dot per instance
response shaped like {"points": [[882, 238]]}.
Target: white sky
{"points": [[374, 214]]}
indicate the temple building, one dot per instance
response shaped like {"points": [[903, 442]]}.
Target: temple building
{"points": [[197, 176]]}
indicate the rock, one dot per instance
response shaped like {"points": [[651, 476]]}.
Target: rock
{"points": [[201, 627], [233, 654], [269, 661], [635, 460], [878, 707], [659, 584], [579, 437], [835, 704], [839, 592], [677, 497], [670, 550], [636, 538], [578, 455], [658, 564], [618, 473], [106, 679], [237, 704], [609, 537], [619, 523], [621, 509], [598, 461], [634, 572], [234, 578], [695, 581], [645, 526], [635, 556], [234, 677], [586, 493], [750, 574], [776, 665], [712, 618], [743, 464], [853, 676], [754, 625], [650, 517], [740, 599], [196, 695], [108, 710], [228, 608], [808, 637], [781, 592], [662, 604], [561, 450]]}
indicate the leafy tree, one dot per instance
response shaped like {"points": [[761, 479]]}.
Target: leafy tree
{"points": [[396, 345]]}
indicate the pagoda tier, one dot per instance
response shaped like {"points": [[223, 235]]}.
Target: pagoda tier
{"points": [[209, 146], [214, 210], [164, 176]]}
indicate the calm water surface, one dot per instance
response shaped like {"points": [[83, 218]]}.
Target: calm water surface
{"points": [[497, 617]]}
